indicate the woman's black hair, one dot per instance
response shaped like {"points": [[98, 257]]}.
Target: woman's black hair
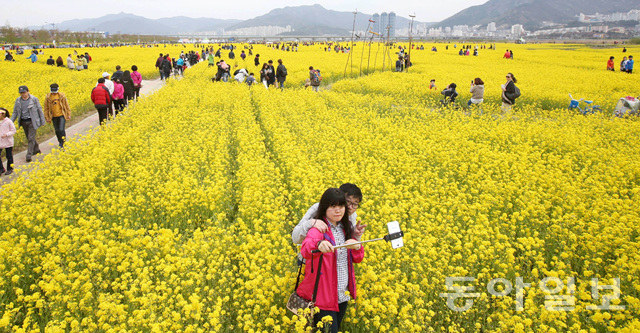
{"points": [[513, 78], [134, 68], [6, 112], [335, 197]]}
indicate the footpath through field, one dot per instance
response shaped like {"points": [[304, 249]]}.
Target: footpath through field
{"points": [[83, 126]]}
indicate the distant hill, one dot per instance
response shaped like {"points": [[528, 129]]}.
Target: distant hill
{"points": [[531, 13], [314, 20], [133, 24]]}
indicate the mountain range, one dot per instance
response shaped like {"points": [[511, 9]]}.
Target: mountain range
{"points": [[315, 20], [133, 24], [532, 13], [305, 20]]}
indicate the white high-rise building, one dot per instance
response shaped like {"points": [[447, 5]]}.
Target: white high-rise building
{"points": [[384, 22], [392, 24], [517, 29], [491, 27]]}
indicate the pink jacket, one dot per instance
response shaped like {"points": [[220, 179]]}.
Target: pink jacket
{"points": [[327, 297], [9, 129], [118, 91], [136, 77]]}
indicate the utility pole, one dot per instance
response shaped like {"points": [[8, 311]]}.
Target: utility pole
{"points": [[386, 50], [363, 45], [350, 55], [410, 41]]}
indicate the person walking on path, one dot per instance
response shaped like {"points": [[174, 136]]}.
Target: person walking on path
{"points": [[159, 66], [166, 66], [127, 83], [7, 131], [57, 110], [118, 96], [136, 78], [281, 74], [28, 111], [117, 74], [101, 98]]}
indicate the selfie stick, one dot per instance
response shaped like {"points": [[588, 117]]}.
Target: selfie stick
{"points": [[395, 237]]}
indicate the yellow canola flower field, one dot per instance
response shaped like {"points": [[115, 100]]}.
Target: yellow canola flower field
{"points": [[177, 215]]}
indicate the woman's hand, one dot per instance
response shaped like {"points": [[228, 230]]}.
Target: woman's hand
{"points": [[325, 247], [353, 246], [320, 225]]}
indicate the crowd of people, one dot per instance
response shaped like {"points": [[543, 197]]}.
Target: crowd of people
{"points": [[113, 93]]}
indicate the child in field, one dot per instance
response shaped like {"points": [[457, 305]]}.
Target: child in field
{"points": [[432, 84], [450, 94], [610, 64], [250, 80], [7, 131]]}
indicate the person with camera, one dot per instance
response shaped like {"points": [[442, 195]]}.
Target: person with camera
{"points": [[337, 282]]}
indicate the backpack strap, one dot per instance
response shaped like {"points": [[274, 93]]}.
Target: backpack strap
{"points": [[315, 287]]}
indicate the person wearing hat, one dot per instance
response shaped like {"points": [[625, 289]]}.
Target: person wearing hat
{"points": [[28, 111], [107, 83], [56, 109]]}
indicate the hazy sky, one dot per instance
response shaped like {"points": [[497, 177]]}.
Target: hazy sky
{"points": [[37, 12]]}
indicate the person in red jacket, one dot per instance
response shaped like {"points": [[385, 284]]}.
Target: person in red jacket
{"points": [[507, 55], [337, 284], [101, 99], [611, 65]]}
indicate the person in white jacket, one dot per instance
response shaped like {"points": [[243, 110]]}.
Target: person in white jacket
{"points": [[242, 74], [354, 198], [7, 131], [108, 83], [70, 63]]}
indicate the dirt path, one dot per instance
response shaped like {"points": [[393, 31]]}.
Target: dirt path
{"points": [[19, 159]]}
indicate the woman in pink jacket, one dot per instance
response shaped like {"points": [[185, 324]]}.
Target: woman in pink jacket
{"points": [[118, 96], [337, 276], [7, 131], [136, 77]]}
